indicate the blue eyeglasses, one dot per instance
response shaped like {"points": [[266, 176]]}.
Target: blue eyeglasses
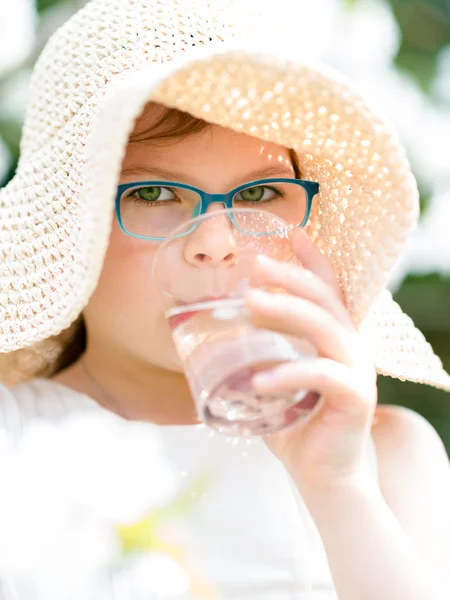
{"points": [[151, 210]]}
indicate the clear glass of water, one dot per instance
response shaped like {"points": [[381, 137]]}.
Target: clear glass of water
{"points": [[203, 271]]}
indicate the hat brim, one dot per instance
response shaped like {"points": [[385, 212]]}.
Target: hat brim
{"points": [[399, 348], [367, 207]]}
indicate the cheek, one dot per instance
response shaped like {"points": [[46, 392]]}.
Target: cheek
{"points": [[127, 270], [126, 300]]}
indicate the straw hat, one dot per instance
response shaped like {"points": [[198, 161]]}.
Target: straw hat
{"points": [[89, 85]]}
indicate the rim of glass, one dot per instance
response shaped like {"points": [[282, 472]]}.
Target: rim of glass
{"points": [[217, 213], [223, 212]]}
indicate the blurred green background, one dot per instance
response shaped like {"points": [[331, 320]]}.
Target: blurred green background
{"points": [[399, 53]]}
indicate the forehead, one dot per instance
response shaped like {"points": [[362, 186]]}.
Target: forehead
{"points": [[162, 128], [154, 136]]}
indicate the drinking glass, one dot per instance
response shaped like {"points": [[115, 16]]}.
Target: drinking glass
{"points": [[203, 270]]}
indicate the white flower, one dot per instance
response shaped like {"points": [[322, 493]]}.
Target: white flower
{"points": [[66, 485], [431, 250], [15, 95], [363, 40], [17, 32], [151, 574], [42, 527], [117, 468]]}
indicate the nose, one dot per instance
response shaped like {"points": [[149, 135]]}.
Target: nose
{"points": [[212, 243]]}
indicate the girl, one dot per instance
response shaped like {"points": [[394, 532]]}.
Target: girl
{"points": [[375, 480]]}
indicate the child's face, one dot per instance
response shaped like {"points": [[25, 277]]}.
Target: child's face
{"points": [[125, 314]]}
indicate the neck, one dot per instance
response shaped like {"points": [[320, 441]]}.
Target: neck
{"points": [[136, 390]]}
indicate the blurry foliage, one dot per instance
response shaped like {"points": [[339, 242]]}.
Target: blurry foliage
{"points": [[424, 27], [425, 30], [43, 5]]}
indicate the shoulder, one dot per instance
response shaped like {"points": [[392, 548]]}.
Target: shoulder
{"points": [[10, 417], [38, 399], [414, 478], [408, 448], [400, 430]]}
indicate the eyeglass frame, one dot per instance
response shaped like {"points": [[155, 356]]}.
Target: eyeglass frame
{"points": [[311, 188]]}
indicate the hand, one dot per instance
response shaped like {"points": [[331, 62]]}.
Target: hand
{"points": [[328, 448]]}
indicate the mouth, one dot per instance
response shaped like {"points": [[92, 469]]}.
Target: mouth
{"points": [[201, 300], [181, 317], [176, 320]]}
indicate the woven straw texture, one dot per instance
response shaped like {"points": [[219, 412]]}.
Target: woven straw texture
{"points": [[91, 82]]}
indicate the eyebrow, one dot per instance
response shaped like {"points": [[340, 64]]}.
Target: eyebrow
{"points": [[139, 170]]}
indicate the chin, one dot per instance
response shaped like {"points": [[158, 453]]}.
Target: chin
{"points": [[168, 362], [176, 367]]}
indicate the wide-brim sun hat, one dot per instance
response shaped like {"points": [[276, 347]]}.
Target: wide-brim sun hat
{"points": [[92, 81]]}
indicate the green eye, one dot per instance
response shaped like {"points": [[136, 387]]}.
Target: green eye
{"points": [[149, 194], [254, 194]]}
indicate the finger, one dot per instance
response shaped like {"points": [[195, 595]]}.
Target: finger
{"points": [[301, 282], [312, 258], [344, 389], [299, 317]]}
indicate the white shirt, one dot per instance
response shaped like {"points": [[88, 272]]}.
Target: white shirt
{"points": [[248, 534]]}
